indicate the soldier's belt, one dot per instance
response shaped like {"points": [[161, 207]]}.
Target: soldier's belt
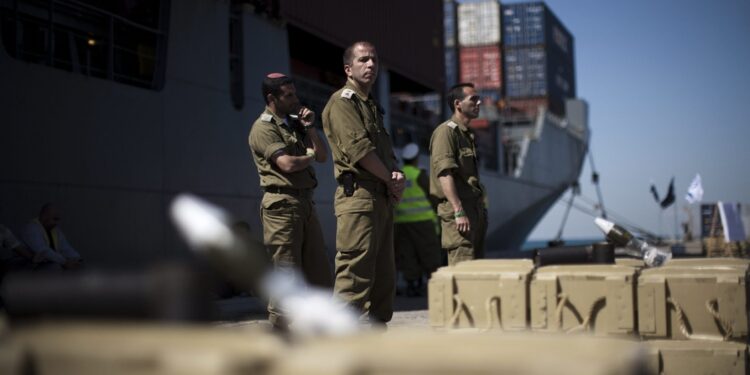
{"points": [[288, 191], [372, 186]]}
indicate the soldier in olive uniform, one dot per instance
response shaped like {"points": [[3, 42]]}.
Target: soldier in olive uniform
{"points": [[369, 186], [283, 149], [454, 178]]}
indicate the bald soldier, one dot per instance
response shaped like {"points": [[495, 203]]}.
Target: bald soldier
{"points": [[284, 143], [369, 186], [454, 178]]}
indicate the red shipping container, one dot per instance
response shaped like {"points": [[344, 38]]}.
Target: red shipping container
{"points": [[481, 66]]}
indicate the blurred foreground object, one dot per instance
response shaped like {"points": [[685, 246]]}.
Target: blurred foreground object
{"points": [[425, 352], [168, 292], [114, 349], [619, 236], [206, 228]]}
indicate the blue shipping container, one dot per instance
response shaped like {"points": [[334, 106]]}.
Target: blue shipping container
{"points": [[537, 71], [451, 67], [530, 24]]}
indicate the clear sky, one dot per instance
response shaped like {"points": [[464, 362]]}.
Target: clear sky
{"points": [[668, 84]]}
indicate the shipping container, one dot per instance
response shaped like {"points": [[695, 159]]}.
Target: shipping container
{"points": [[479, 23], [449, 23], [451, 67], [481, 66], [531, 24], [537, 71]]}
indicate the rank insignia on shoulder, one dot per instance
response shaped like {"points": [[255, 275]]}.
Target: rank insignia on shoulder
{"points": [[266, 117], [452, 124], [347, 93]]}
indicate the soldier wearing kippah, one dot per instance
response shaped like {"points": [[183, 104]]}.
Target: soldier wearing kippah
{"points": [[284, 143]]}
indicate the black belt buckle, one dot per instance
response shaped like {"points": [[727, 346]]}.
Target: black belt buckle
{"points": [[347, 181]]}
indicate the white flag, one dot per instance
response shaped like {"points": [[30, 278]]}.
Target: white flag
{"points": [[695, 191]]}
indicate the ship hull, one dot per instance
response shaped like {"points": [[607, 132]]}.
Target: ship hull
{"points": [[113, 156]]}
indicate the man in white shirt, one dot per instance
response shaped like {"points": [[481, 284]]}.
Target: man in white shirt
{"points": [[14, 255]]}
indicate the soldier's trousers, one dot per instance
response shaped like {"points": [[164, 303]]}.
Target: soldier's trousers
{"points": [[292, 234], [417, 248], [365, 266], [468, 245]]}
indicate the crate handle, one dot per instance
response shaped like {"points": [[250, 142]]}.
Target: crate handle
{"points": [[684, 323], [724, 325], [495, 300], [460, 305], [593, 310]]}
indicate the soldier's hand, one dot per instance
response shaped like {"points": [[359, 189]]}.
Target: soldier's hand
{"points": [[462, 224], [306, 117], [398, 183]]}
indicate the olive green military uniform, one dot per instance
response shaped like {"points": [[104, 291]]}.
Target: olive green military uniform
{"points": [[291, 230], [365, 266], [452, 147]]}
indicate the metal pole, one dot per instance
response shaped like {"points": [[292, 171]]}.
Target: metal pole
{"points": [[595, 180]]}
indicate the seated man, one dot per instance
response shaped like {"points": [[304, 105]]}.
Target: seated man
{"points": [[14, 255], [43, 236]]}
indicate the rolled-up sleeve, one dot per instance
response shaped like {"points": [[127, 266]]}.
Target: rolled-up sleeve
{"points": [[350, 132], [265, 141], [443, 155]]}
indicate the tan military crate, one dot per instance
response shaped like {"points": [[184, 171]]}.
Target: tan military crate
{"points": [[706, 302], [460, 352], [497, 262], [481, 294], [631, 262], [596, 298], [112, 349], [709, 262], [678, 357]]}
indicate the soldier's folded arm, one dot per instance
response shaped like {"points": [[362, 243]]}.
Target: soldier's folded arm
{"points": [[290, 163]]}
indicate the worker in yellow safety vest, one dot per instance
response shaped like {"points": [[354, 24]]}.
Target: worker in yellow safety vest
{"points": [[416, 238]]}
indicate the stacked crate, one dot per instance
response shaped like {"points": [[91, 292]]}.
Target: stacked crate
{"points": [[693, 314], [690, 313], [538, 54]]}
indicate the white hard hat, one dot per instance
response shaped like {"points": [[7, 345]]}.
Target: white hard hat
{"points": [[410, 151]]}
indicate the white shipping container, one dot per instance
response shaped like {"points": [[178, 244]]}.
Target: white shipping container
{"points": [[478, 23]]}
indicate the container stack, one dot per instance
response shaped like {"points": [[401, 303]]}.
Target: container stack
{"points": [[449, 42], [480, 58], [539, 68]]}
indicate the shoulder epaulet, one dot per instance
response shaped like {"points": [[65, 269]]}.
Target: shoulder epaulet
{"points": [[266, 117], [451, 124], [347, 93]]}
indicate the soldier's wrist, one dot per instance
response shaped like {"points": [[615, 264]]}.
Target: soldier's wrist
{"points": [[310, 152], [459, 213]]}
